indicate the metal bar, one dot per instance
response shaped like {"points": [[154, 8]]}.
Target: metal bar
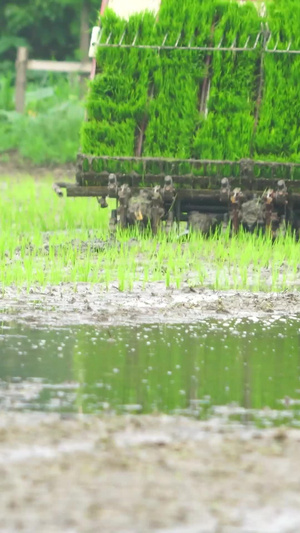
{"points": [[276, 44], [232, 48], [165, 38], [100, 34], [219, 45], [256, 41], [195, 161], [172, 47], [195, 182], [122, 37], [178, 39], [197, 48], [268, 40], [297, 52], [135, 39], [246, 43], [275, 49], [189, 195]]}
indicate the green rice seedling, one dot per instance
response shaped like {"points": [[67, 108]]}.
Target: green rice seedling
{"points": [[278, 132], [45, 247], [227, 131], [174, 110], [118, 97]]}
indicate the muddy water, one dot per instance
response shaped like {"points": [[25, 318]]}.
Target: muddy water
{"points": [[244, 370]]}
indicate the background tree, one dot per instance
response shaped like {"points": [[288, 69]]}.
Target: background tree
{"points": [[55, 29]]}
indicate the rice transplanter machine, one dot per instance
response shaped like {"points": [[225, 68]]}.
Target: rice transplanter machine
{"points": [[203, 192]]}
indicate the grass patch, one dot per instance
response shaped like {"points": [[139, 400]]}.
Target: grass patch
{"points": [[47, 240], [48, 131]]}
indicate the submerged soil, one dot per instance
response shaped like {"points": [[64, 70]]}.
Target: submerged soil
{"points": [[134, 474], [83, 303]]}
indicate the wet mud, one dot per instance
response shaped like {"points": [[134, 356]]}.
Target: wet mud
{"points": [[83, 303], [139, 474], [136, 474]]}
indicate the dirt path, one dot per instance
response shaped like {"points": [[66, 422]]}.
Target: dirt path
{"points": [[82, 303], [142, 474]]}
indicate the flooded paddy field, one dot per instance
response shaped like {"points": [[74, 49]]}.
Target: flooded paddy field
{"points": [[165, 427], [232, 369], [146, 384]]}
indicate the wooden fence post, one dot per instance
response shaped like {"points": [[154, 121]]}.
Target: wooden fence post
{"points": [[21, 68]]}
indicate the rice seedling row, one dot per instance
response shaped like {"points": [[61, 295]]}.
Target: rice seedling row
{"points": [[48, 241]]}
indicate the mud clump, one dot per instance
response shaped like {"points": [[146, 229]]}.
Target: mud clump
{"points": [[252, 214], [86, 303], [145, 209], [204, 223]]}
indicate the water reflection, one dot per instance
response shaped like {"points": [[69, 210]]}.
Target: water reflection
{"points": [[234, 369]]}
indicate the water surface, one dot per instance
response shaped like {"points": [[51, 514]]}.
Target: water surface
{"points": [[236, 369]]}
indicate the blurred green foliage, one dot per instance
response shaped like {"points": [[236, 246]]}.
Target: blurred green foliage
{"points": [[48, 131], [50, 29]]}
